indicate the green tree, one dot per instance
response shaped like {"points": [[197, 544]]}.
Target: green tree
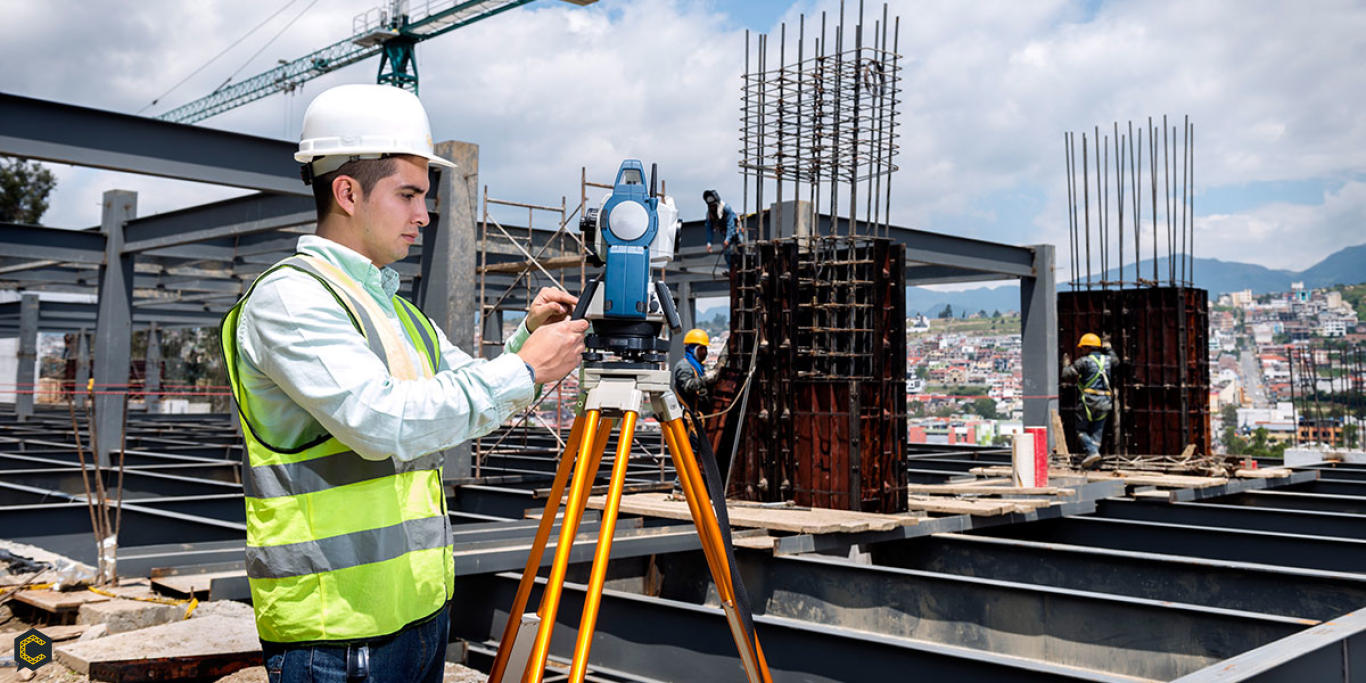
{"points": [[922, 372], [947, 312], [24, 189], [986, 407], [1349, 434]]}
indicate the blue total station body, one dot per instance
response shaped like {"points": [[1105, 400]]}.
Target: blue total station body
{"points": [[626, 283]]}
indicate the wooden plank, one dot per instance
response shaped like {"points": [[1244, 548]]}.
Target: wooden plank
{"points": [[806, 521], [1177, 481], [992, 490], [1060, 435], [993, 471], [1188, 451], [977, 507], [764, 542], [1153, 494], [1259, 473], [56, 602]]}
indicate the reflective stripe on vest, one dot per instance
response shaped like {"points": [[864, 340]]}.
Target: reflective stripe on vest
{"points": [[1102, 372], [340, 547]]}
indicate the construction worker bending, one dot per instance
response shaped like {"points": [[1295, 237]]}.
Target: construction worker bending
{"points": [[347, 395], [721, 218], [1091, 371], [692, 383]]}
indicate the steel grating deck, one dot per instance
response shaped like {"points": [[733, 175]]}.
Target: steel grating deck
{"points": [[1252, 580]]}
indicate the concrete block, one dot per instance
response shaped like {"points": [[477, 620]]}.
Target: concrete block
{"points": [[214, 642], [223, 608], [121, 616]]}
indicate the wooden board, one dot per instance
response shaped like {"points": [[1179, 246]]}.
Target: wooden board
{"points": [[978, 507], [1259, 473], [804, 521], [764, 542], [56, 602], [204, 648], [1060, 436], [992, 490], [1175, 481]]}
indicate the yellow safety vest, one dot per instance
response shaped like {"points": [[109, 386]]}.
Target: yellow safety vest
{"points": [[340, 547]]}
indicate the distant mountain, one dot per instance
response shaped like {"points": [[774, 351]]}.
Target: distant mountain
{"points": [[1344, 267]]}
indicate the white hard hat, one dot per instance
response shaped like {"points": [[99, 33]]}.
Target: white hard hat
{"points": [[364, 122]]}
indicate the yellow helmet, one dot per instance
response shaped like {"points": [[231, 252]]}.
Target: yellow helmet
{"points": [[1090, 340], [696, 336]]}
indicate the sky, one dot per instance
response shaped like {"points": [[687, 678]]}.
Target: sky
{"points": [[1274, 89]]}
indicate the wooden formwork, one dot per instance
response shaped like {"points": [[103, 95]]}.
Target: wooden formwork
{"points": [[824, 419]]}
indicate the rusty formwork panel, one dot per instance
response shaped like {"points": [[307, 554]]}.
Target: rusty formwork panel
{"points": [[825, 419], [1161, 335]]}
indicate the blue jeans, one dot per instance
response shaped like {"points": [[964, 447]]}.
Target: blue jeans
{"points": [[417, 653], [1090, 432]]}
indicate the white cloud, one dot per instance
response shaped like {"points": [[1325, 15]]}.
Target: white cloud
{"points": [[1274, 90]]}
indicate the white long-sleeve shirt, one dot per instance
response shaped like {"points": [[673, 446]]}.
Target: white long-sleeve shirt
{"points": [[307, 371]]}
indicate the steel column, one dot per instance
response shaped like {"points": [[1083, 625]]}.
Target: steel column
{"points": [[1038, 331], [449, 248], [82, 367], [113, 324], [25, 380], [152, 380], [687, 313]]}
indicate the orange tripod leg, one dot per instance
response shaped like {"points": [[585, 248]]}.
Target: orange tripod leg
{"points": [[552, 505], [589, 619], [709, 528], [584, 473]]}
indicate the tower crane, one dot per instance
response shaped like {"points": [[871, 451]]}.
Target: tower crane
{"points": [[391, 31]]}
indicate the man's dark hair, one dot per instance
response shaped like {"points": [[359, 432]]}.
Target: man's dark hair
{"points": [[367, 172]]}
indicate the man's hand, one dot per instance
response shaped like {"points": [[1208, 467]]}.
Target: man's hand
{"points": [[553, 350], [1066, 359], [550, 306]]}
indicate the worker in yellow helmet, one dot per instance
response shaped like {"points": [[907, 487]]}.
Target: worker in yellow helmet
{"points": [[692, 383], [348, 394], [1092, 371]]}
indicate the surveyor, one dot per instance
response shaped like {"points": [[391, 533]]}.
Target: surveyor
{"points": [[692, 383], [721, 219], [348, 394], [1092, 371]]}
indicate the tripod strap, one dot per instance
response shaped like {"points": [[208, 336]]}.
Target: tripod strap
{"points": [[716, 490]]}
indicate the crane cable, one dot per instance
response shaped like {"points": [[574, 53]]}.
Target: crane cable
{"points": [[268, 43], [214, 58]]}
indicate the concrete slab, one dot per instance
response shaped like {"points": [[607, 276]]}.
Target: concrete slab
{"points": [[121, 616], [193, 648]]}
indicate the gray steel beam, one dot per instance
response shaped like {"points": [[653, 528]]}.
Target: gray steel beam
{"points": [[1291, 500], [659, 639], [114, 324], [1303, 593], [229, 218], [1333, 487], [942, 275], [1333, 651], [1082, 628], [1341, 525], [1039, 348], [152, 381], [449, 251], [25, 379], [50, 244], [1239, 545], [53, 131]]}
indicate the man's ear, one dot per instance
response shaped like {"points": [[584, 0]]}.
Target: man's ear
{"points": [[346, 193]]}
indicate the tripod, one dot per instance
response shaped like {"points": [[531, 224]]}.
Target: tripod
{"points": [[616, 393]]}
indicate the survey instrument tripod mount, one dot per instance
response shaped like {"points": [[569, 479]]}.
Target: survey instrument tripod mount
{"points": [[611, 392]]}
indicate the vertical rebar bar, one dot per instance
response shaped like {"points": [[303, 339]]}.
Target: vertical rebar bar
{"points": [[1119, 201], [1086, 208], [1071, 209]]}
